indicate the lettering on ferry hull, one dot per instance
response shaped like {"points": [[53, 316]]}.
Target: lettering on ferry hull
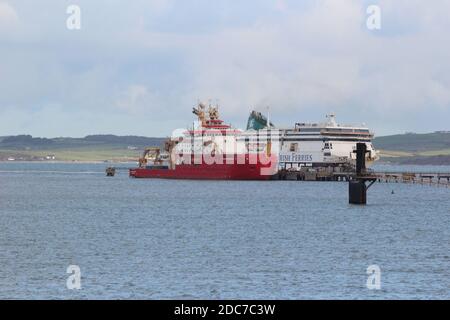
{"points": [[295, 157]]}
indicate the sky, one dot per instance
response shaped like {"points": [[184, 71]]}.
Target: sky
{"points": [[138, 67]]}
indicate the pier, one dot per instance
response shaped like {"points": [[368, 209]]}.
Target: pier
{"points": [[344, 174], [426, 178], [323, 174]]}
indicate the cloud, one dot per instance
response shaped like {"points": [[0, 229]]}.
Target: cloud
{"points": [[324, 58], [136, 98], [149, 61], [8, 16], [281, 5], [288, 64]]}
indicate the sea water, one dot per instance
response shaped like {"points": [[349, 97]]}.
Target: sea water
{"points": [[168, 239]]}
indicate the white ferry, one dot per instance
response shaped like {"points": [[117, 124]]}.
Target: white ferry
{"points": [[317, 144]]}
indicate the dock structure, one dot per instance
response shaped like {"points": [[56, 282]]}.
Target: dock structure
{"points": [[349, 172], [361, 179], [425, 178], [338, 174]]}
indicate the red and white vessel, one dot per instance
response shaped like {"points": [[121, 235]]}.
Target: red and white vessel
{"points": [[212, 150]]}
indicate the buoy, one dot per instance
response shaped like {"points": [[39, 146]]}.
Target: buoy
{"points": [[110, 172]]}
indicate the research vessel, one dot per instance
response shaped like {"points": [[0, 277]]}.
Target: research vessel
{"points": [[210, 150]]}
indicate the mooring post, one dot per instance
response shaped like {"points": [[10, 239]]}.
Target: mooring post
{"points": [[361, 150], [357, 188]]}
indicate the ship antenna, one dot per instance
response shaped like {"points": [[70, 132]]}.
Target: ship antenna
{"points": [[268, 117]]}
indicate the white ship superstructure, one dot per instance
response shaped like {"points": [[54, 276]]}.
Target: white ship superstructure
{"points": [[210, 136]]}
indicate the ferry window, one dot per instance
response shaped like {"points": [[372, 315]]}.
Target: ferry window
{"points": [[294, 147]]}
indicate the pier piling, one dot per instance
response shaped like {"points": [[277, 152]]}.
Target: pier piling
{"points": [[357, 187]]}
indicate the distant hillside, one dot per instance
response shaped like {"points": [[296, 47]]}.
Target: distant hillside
{"points": [[412, 148], [431, 148], [28, 142], [89, 148], [414, 142], [421, 160]]}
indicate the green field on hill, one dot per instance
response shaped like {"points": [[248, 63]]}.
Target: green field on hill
{"points": [[90, 148], [412, 148], [78, 154]]}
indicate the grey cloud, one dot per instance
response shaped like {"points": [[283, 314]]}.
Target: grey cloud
{"points": [[156, 58]]}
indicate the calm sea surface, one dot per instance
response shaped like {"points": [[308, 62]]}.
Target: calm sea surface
{"points": [[162, 239]]}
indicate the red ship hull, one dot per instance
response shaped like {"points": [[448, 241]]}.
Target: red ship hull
{"points": [[203, 171]]}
